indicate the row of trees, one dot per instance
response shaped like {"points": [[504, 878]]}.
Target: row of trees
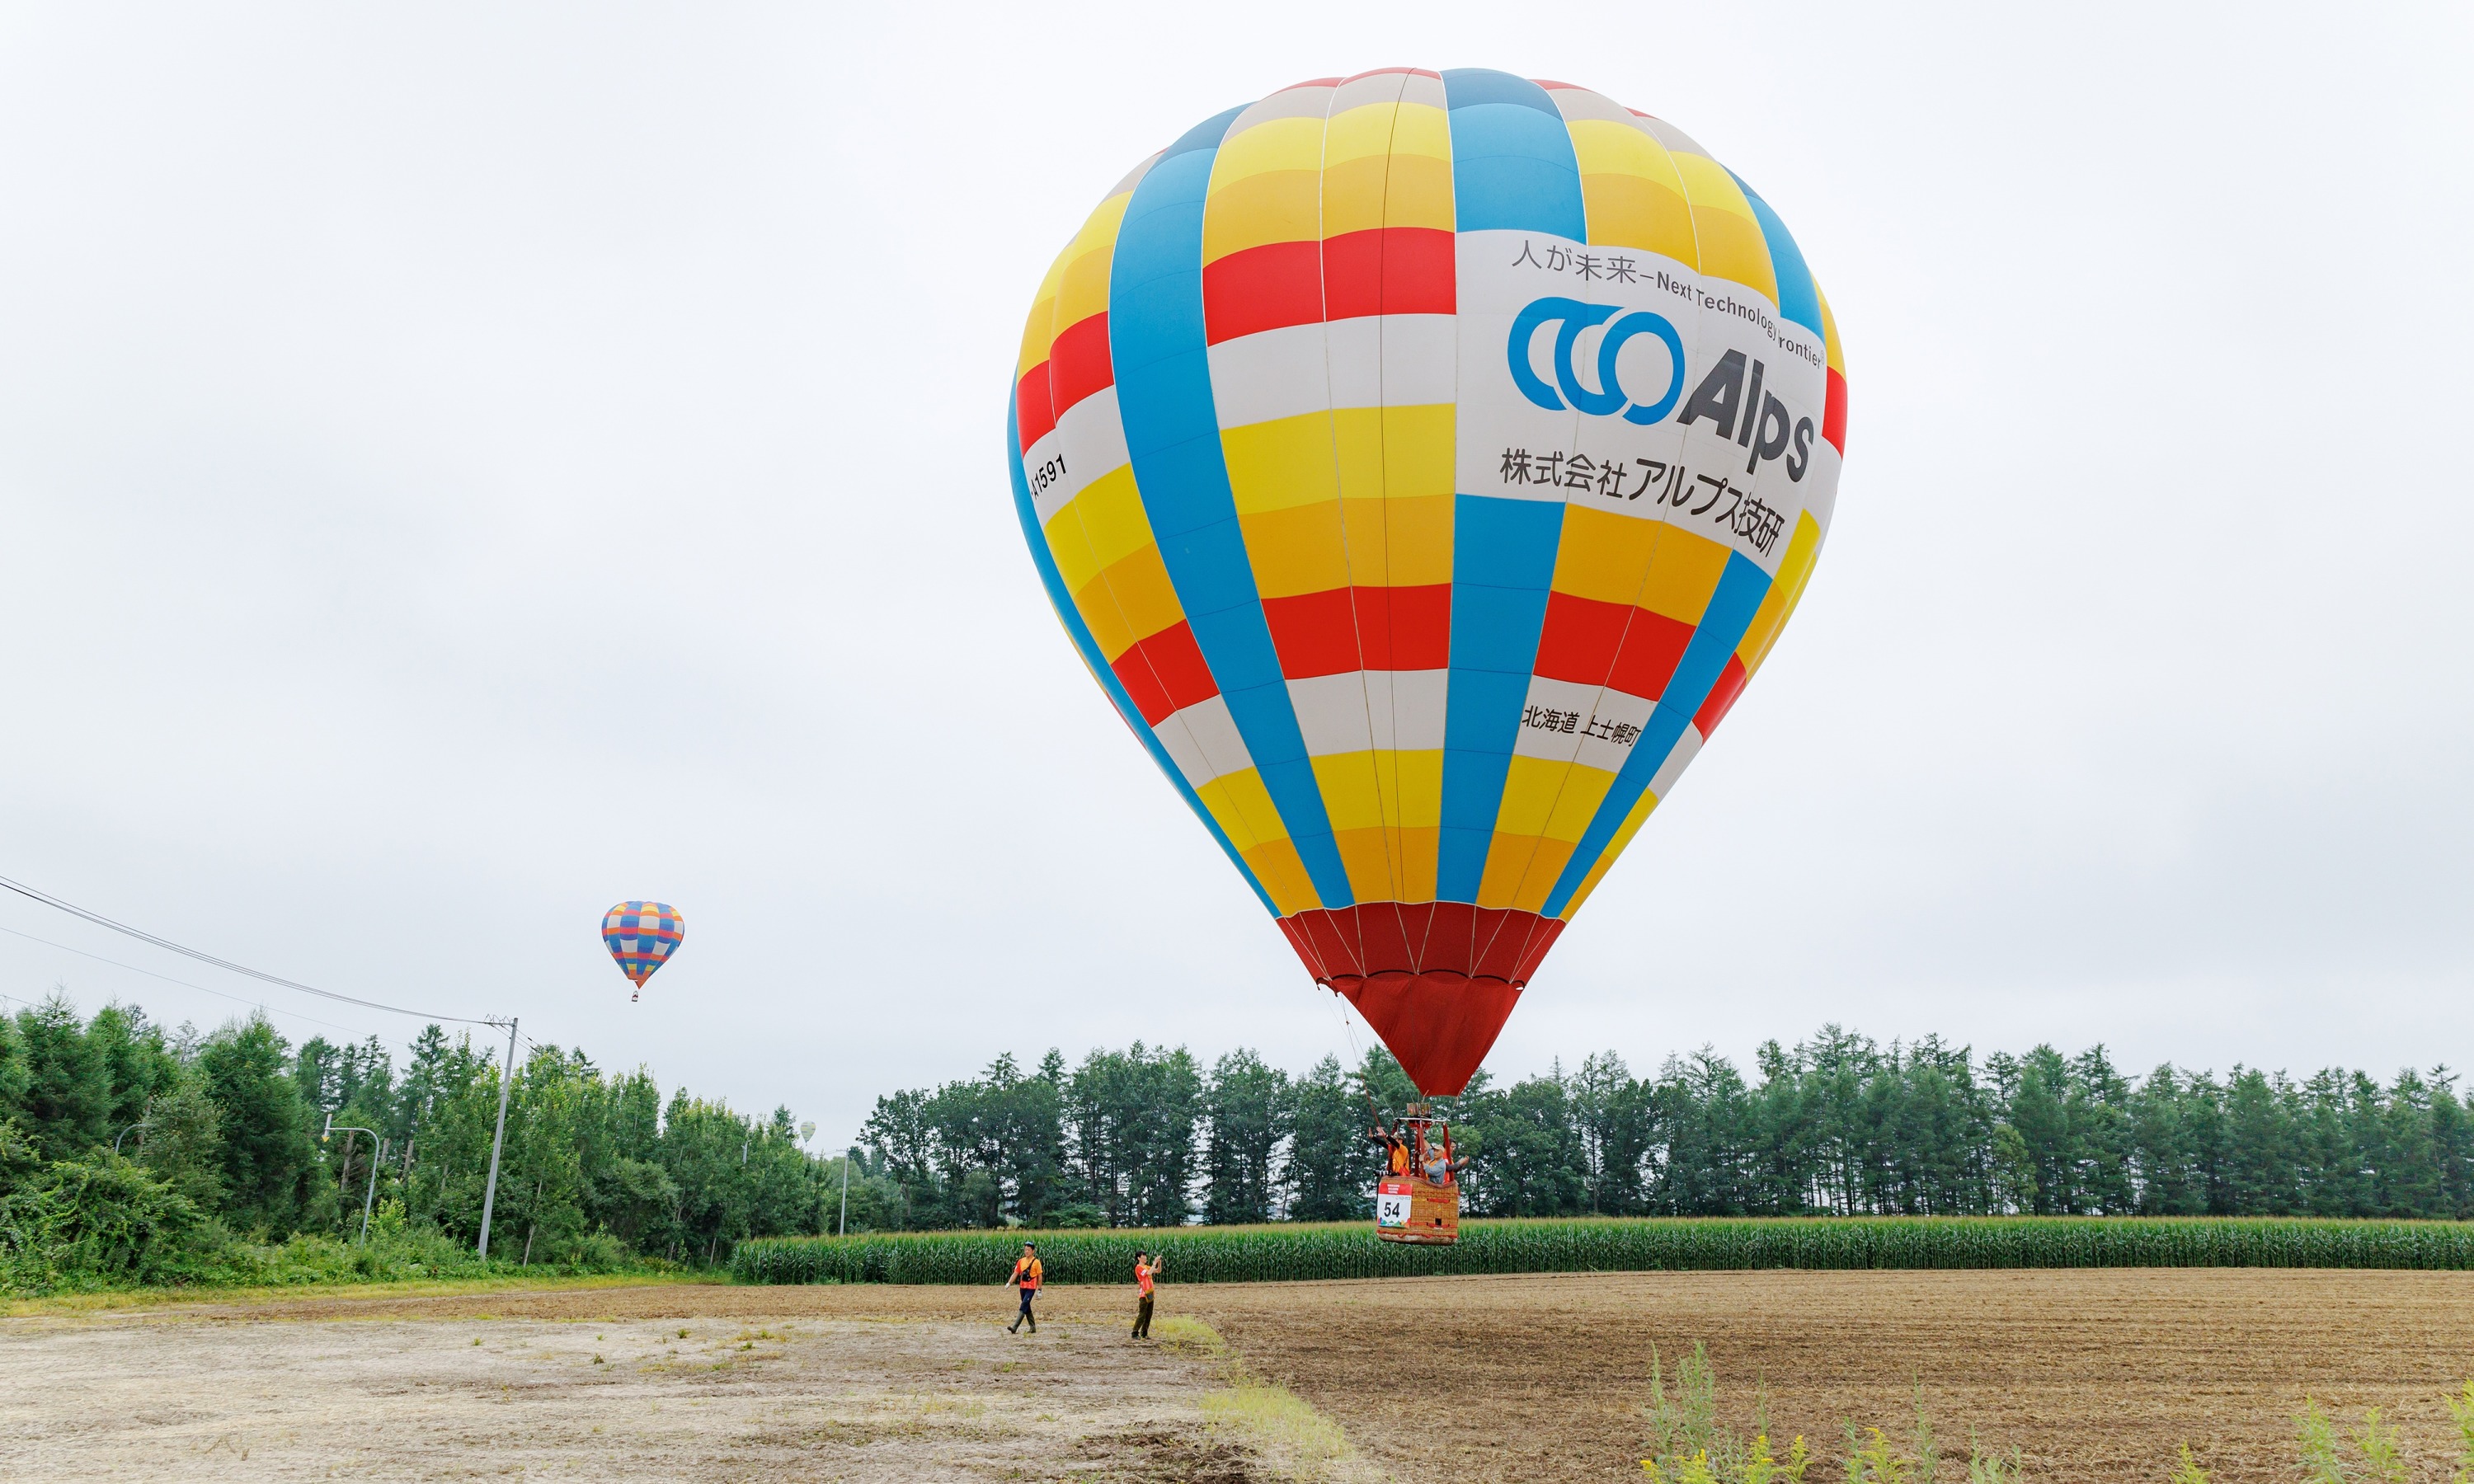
{"points": [[1837, 1125], [221, 1133]]}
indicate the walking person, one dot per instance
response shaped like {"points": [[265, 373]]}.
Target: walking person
{"points": [[1146, 1269], [1026, 1279]]}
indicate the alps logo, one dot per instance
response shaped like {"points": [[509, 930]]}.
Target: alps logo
{"points": [[1729, 395]]}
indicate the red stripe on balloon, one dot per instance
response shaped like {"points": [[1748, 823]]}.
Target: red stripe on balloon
{"points": [[1581, 638], [1033, 413], [1315, 633], [1165, 672], [1722, 696], [1344, 629], [1834, 414], [1387, 270], [1587, 642], [1266, 288], [1406, 628], [1078, 362], [1653, 646]]}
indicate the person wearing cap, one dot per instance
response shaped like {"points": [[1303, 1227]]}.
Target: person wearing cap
{"points": [[1025, 1279]]}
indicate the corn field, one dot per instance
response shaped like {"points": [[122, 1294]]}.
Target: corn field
{"points": [[1205, 1255]]}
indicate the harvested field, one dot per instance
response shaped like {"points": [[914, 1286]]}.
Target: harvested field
{"points": [[2096, 1374]]}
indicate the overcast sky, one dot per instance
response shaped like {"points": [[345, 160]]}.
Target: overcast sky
{"points": [[462, 469]]}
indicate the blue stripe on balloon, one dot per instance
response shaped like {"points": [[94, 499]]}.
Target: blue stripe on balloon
{"points": [[1740, 591], [1799, 301], [1156, 342], [1513, 165], [1080, 634], [1503, 561]]}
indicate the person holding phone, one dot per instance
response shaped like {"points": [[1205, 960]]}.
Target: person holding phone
{"points": [[1146, 1270]]}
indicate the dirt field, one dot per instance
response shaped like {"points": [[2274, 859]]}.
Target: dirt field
{"points": [[2097, 1375]]}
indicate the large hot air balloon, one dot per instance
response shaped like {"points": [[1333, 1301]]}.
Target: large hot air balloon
{"points": [[1422, 462], [642, 936]]}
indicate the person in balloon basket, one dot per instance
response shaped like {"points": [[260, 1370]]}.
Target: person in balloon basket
{"points": [[1146, 1271], [1026, 1280], [1396, 1149]]}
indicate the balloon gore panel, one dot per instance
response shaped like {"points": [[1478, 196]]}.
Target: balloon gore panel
{"points": [[1422, 462]]}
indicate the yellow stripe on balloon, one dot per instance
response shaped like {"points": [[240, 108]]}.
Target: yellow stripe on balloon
{"points": [[1083, 289], [1730, 237], [1682, 572], [1786, 590], [1040, 330], [1631, 190]]}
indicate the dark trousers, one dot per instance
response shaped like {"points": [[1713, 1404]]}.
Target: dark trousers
{"points": [[1143, 1318], [1028, 1294]]}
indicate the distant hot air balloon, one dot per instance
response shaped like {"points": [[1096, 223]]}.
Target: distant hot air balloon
{"points": [[1422, 462], [642, 936]]}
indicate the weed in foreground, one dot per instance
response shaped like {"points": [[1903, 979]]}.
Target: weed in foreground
{"points": [[1690, 1446], [1992, 1468], [2188, 1470], [2382, 1463], [2461, 1408], [2372, 1453], [1927, 1453], [2316, 1434], [1871, 1460]]}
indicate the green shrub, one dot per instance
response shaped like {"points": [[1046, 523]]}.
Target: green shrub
{"points": [[102, 1222], [1352, 1250]]}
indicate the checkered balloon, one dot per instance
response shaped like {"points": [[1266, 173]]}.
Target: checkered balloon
{"points": [[642, 936]]}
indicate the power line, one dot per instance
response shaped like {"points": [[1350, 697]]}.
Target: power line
{"points": [[142, 936], [291, 1015]]}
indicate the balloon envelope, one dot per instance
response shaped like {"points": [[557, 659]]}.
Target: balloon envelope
{"points": [[642, 936], [1422, 462]]}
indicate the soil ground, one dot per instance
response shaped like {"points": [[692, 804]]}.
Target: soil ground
{"points": [[2094, 1376]]}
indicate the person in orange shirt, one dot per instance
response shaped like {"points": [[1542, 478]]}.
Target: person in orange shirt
{"points": [[1026, 1279], [1396, 1149], [1146, 1269]]}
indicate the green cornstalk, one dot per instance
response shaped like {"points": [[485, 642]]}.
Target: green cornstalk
{"points": [[1352, 1250]]}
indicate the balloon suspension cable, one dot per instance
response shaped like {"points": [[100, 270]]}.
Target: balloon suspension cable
{"points": [[1339, 1008]]}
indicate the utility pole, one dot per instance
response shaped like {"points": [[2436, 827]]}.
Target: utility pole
{"points": [[843, 1229], [490, 1193]]}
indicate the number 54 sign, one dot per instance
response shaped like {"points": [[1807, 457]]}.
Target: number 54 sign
{"points": [[1392, 1204]]}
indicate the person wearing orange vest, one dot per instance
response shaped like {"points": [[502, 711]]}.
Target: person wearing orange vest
{"points": [[1026, 1278], [1146, 1269], [1395, 1155]]}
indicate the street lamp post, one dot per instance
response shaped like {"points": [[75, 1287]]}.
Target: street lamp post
{"points": [[372, 1194], [497, 1140], [141, 1123]]}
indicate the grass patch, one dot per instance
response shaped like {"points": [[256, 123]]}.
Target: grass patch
{"points": [[1178, 1332], [1281, 1428], [119, 1301]]}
